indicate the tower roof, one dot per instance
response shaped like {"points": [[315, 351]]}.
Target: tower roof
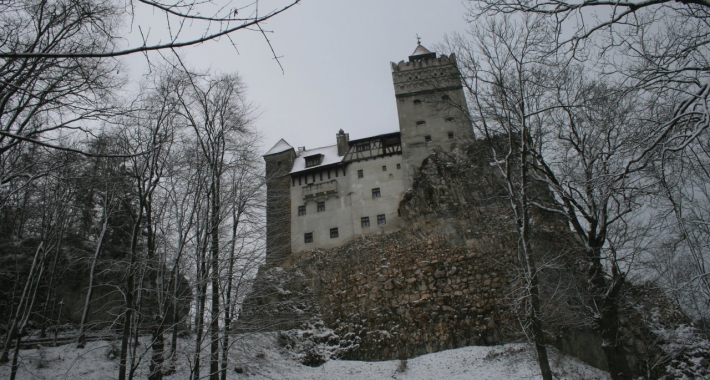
{"points": [[280, 146], [420, 50], [421, 53]]}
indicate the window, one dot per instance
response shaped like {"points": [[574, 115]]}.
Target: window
{"points": [[363, 147], [427, 138], [365, 221], [301, 210], [384, 168], [376, 192], [420, 123], [417, 102], [308, 237], [451, 135], [449, 119], [313, 160], [381, 221], [333, 233], [399, 166], [360, 174], [321, 206], [445, 97]]}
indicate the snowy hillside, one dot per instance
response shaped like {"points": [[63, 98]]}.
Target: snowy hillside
{"points": [[260, 357]]}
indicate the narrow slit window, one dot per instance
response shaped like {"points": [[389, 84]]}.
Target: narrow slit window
{"points": [[376, 192], [365, 221]]}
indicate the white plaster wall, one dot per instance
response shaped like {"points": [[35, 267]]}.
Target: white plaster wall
{"points": [[392, 187], [354, 200]]}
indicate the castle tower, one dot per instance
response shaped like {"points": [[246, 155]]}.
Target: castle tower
{"points": [[430, 105], [279, 161]]}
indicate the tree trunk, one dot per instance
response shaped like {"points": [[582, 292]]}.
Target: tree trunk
{"points": [[604, 295], [200, 314], [214, 251], [43, 333], [128, 315], [531, 271], [20, 311], [90, 290], [228, 298]]}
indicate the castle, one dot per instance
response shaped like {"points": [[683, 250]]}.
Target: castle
{"points": [[323, 197]]}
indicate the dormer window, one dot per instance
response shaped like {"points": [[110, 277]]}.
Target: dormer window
{"points": [[314, 160]]}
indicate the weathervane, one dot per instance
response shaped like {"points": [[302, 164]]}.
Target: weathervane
{"points": [[419, 39]]}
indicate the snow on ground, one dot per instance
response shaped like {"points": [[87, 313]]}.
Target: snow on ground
{"points": [[260, 357]]}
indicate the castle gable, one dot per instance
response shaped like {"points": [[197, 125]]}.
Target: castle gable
{"points": [[279, 147]]}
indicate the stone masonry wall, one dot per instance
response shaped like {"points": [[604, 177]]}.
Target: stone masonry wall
{"points": [[400, 296]]}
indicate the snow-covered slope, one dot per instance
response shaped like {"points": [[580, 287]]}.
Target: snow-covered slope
{"points": [[259, 357]]}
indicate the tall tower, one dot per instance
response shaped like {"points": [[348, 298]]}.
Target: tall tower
{"points": [[431, 106], [279, 161]]}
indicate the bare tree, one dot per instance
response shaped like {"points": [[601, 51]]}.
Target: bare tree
{"points": [[658, 50], [153, 132], [579, 138], [503, 84], [216, 109], [185, 24]]}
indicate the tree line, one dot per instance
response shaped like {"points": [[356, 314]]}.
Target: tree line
{"points": [[609, 112], [139, 213]]}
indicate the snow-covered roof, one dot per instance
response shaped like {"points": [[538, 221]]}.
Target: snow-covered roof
{"points": [[330, 156], [280, 146], [420, 50]]}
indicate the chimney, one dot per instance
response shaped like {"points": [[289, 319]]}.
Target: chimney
{"points": [[343, 139], [301, 149]]}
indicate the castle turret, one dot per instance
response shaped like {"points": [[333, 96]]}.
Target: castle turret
{"points": [[431, 106], [279, 161]]}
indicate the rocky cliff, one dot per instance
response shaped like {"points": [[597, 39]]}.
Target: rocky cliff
{"points": [[451, 278]]}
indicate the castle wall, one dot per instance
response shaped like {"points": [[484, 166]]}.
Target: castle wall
{"points": [[352, 201], [278, 204]]}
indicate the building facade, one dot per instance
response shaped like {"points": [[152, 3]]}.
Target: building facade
{"points": [[323, 197]]}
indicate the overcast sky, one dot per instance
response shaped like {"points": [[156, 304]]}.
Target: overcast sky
{"points": [[336, 56]]}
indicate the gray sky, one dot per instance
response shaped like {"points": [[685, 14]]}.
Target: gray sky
{"points": [[336, 56]]}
